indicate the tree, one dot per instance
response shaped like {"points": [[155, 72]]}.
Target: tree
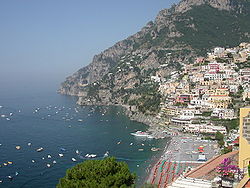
{"points": [[249, 170], [99, 174], [219, 136]]}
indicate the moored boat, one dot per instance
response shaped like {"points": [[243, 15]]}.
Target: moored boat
{"points": [[142, 134]]}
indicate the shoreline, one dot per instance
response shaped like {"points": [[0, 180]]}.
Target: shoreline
{"points": [[156, 160], [153, 124]]}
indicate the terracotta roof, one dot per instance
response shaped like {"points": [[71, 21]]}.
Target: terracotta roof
{"points": [[209, 166]]}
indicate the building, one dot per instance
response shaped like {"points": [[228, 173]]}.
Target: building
{"points": [[244, 144], [223, 113], [204, 128], [246, 95], [220, 101], [183, 98]]}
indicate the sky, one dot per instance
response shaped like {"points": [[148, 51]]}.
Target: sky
{"points": [[44, 41]]}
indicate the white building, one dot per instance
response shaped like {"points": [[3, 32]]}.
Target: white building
{"points": [[204, 128]]}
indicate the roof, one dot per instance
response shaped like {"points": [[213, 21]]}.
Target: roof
{"points": [[183, 182], [209, 166]]}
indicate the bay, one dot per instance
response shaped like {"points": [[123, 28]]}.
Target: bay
{"points": [[54, 122]]}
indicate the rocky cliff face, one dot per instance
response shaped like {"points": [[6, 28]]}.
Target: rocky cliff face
{"points": [[123, 73]]}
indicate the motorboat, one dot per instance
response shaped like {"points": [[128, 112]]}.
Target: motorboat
{"points": [[18, 147], [90, 155], [142, 134], [155, 149], [39, 149], [106, 154]]}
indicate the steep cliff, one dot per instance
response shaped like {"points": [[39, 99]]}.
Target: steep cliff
{"points": [[123, 73]]}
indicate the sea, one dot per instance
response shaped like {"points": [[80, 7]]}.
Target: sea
{"points": [[32, 119]]}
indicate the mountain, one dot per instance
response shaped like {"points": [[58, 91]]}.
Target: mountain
{"points": [[124, 73]]}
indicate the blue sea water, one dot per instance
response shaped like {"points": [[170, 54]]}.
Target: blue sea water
{"points": [[57, 124]]}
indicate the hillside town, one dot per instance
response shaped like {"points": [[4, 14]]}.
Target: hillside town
{"points": [[208, 99], [212, 88]]}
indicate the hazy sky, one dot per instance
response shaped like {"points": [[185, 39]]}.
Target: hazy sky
{"points": [[43, 41]]}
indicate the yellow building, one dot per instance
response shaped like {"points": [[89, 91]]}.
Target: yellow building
{"points": [[244, 150], [219, 101], [222, 91]]}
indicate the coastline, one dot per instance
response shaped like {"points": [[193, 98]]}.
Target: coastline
{"points": [[153, 123]]}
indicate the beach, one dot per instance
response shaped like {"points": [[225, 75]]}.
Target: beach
{"points": [[179, 156]]}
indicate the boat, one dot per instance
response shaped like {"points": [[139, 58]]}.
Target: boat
{"points": [[90, 155], [155, 149], [18, 147], [48, 165], [106, 154], [77, 152], [60, 155], [39, 149], [142, 134], [73, 159]]}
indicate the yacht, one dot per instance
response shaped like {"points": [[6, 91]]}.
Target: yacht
{"points": [[142, 134]]}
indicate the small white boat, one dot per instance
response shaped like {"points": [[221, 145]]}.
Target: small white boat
{"points": [[80, 120], [32, 161], [39, 149], [60, 155], [54, 162], [90, 155], [29, 144], [73, 159], [142, 134], [48, 165], [106, 154], [77, 151], [18, 147], [49, 156]]}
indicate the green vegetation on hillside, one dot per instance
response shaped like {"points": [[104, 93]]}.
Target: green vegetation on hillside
{"points": [[204, 27]]}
